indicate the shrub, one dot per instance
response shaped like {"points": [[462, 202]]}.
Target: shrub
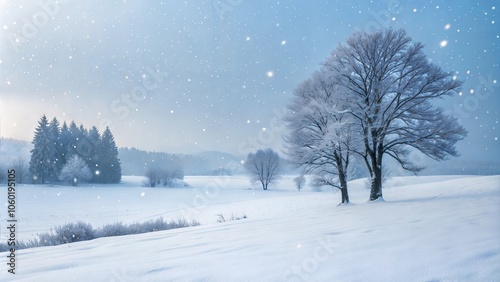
{"points": [[81, 231], [110, 230], [221, 218], [163, 175], [159, 225], [74, 232]]}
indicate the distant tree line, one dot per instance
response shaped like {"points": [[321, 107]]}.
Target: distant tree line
{"points": [[73, 154], [160, 169], [137, 162]]}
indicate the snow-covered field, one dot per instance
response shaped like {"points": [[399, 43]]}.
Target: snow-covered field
{"points": [[435, 228]]}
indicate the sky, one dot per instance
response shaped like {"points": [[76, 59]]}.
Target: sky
{"points": [[187, 76]]}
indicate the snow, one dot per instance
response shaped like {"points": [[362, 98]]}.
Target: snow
{"points": [[433, 228]]}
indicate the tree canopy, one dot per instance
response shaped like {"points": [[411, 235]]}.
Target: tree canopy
{"points": [[385, 86]]}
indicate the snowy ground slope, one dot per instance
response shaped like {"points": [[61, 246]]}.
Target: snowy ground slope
{"points": [[438, 228]]}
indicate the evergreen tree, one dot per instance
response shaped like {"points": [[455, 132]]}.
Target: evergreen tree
{"points": [[91, 143], [64, 140], [43, 154], [108, 165], [54, 146], [83, 132], [83, 147], [74, 134], [55, 135]]}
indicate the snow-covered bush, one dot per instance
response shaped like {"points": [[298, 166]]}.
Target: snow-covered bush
{"points": [[67, 233], [75, 170], [33, 243], [159, 225], [75, 232], [81, 231], [110, 230], [148, 226]]}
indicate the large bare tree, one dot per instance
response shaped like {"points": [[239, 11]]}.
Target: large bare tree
{"points": [[389, 84]]}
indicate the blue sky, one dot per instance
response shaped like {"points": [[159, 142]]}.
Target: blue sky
{"points": [[217, 75]]}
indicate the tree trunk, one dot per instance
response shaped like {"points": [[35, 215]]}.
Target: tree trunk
{"points": [[345, 195], [343, 188], [376, 183]]}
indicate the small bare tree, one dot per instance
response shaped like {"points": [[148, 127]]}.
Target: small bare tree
{"points": [[168, 175], [164, 175], [22, 169], [300, 181], [152, 177], [263, 166]]}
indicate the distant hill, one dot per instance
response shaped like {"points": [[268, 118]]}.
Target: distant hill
{"points": [[135, 162], [13, 149], [214, 160], [462, 167], [456, 166]]}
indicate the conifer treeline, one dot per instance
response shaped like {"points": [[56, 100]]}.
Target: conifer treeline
{"points": [[54, 145]]}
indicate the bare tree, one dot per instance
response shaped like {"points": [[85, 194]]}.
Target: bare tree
{"points": [[389, 84], [171, 172], [3, 173], [152, 176], [300, 181], [320, 138], [164, 175], [21, 166], [263, 166]]}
